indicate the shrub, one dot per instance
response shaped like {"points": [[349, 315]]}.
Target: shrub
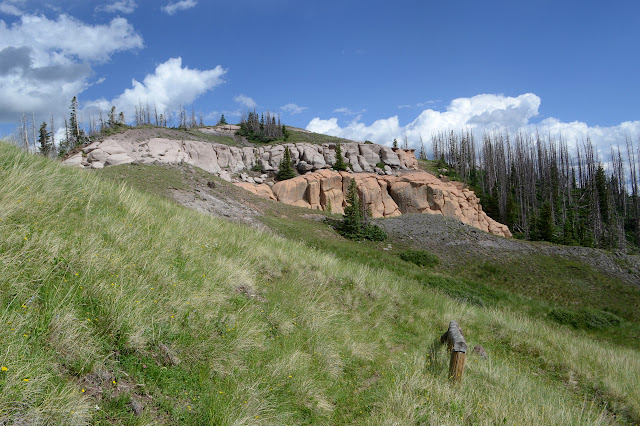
{"points": [[592, 319], [380, 165], [420, 257], [374, 233]]}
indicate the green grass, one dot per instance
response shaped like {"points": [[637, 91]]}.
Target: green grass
{"points": [[129, 296]]}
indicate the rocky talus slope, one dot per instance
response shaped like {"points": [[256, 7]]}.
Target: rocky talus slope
{"points": [[387, 178]]}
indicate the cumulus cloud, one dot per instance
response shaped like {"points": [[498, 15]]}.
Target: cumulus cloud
{"points": [[170, 86], [486, 112], [173, 8], [119, 6], [46, 62], [11, 7], [246, 101], [293, 109]]}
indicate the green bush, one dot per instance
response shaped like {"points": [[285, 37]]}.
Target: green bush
{"points": [[374, 233], [380, 165], [592, 319], [420, 257]]}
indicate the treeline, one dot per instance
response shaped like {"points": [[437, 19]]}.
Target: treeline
{"points": [[544, 190], [263, 127], [41, 138]]}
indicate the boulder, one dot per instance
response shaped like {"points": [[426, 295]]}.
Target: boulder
{"points": [[389, 157], [304, 167], [118, 159], [74, 160], [263, 191]]}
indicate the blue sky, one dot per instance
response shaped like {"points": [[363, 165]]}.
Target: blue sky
{"points": [[360, 69]]}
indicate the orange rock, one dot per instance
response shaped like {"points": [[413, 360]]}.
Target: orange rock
{"points": [[262, 190], [385, 196]]}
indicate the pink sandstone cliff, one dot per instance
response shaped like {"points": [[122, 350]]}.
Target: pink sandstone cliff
{"points": [[386, 196]]}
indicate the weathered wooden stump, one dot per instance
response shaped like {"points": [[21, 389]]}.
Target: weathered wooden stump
{"points": [[458, 348]]}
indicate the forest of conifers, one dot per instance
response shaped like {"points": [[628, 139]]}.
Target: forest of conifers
{"points": [[544, 190]]}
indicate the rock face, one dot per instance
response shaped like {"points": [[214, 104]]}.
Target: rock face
{"points": [[216, 158], [388, 181], [385, 196]]}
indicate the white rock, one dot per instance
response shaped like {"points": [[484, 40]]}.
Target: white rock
{"points": [[117, 159], [389, 157], [225, 175], [87, 149], [97, 155], [75, 160]]}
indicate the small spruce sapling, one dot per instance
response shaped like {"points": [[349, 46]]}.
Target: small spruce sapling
{"points": [[285, 171], [339, 165]]}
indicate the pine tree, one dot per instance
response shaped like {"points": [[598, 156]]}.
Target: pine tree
{"points": [[351, 226], [45, 140], [222, 120], [76, 135], [354, 223], [395, 143], [285, 171], [112, 121], [339, 165]]}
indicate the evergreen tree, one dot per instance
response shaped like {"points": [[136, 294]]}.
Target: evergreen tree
{"points": [[75, 135], [339, 165], [354, 225], [351, 226], [46, 147], [113, 121], [285, 171], [395, 143], [222, 121], [422, 154]]}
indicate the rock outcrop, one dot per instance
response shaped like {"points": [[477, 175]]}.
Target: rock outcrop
{"points": [[388, 181], [215, 158], [385, 196]]}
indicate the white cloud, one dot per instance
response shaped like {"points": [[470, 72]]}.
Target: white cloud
{"points": [[45, 62], [119, 6], [67, 38], [348, 111], [11, 7], [173, 8], [246, 101], [479, 113], [293, 108], [170, 86]]}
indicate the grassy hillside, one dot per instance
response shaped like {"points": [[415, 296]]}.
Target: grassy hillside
{"points": [[114, 301]]}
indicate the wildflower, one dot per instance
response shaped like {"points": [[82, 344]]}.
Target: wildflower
{"points": [[26, 380], [3, 368], [82, 390]]}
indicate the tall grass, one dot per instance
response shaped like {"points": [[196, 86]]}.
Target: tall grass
{"points": [[110, 297]]}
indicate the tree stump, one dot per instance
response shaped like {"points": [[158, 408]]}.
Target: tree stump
{"points": [[458, 348]]}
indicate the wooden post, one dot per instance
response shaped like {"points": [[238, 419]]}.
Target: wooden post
{"points": [[458, 348]]}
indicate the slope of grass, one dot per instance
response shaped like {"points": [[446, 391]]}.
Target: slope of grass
{"points": [[110, 298]]}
